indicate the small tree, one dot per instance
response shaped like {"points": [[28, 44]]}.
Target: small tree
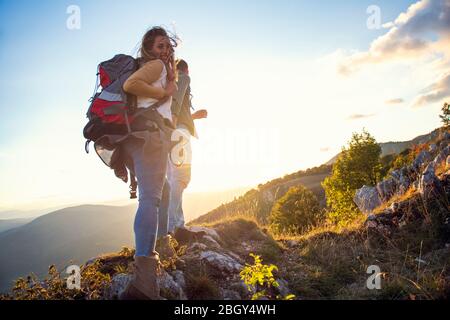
{"points": [[294, 212], [445, 116], [357, 165]]}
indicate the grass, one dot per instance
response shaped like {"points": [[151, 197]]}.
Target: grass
{"points": [[200, 286], [331, 262]]}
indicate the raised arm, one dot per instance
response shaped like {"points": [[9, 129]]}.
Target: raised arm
{"points": [[139, 83]]}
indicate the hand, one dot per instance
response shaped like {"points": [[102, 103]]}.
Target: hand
{"points": [[170, 66], [170, 75], [170, 72], [171, 88], [200, 114]]}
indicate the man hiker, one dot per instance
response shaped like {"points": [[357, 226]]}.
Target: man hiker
{"points": [[179, 175]]}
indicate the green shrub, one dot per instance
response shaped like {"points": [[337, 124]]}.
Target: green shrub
{"points": [[295, 212]]}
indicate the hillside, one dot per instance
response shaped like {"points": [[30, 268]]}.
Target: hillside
{"points": [[405, 233], [325, 263], [257, 203]]}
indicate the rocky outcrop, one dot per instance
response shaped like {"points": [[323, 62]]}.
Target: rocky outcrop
{"points": [[421, 160], [199, 250], [433, 192], [420, 175]]}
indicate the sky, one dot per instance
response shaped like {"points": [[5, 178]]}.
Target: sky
{"points": [[285, 83]]}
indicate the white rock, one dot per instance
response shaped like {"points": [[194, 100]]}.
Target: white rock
{"points": [[209, 231], [367, 199], [442, 156], [197, 246], [117, 286], [428, 181], [167, 283], [178, 277], [220, 261], [210, 242]]}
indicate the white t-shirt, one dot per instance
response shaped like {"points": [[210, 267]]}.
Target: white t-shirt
{"points": [[165, 108]]}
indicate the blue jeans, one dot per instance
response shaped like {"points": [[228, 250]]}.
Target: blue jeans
{"points": [[150, 165], [171, 212], [179, 178], [163, 211]]}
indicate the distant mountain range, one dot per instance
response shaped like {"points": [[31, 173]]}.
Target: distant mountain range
{"points": [[13, 223], [76, 234]]}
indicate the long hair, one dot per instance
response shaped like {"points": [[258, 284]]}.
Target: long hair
{"points": [[145, 52]]}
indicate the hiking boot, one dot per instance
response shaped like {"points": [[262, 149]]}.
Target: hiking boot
{"points": [[144, 285]]}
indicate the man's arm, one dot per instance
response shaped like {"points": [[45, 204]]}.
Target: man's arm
{"points": [[200, 114]]}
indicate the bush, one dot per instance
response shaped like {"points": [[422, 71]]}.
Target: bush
{"points": [[295, 212]]}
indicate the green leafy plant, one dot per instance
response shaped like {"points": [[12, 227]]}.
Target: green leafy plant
{"points": [[259, 279]]}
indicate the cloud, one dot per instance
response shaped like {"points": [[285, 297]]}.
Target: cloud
{"points": [[435, 92], [357, 116], [395, 101], [422, 32], [412, 34], [324, 149]]}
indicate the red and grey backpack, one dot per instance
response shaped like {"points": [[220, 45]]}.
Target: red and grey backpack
{"points": [[111, 109]]}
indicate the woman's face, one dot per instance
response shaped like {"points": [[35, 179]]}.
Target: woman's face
{"points": [[162, 48]]}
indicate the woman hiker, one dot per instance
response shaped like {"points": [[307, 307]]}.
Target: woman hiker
{"points": [[153, 82]]}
